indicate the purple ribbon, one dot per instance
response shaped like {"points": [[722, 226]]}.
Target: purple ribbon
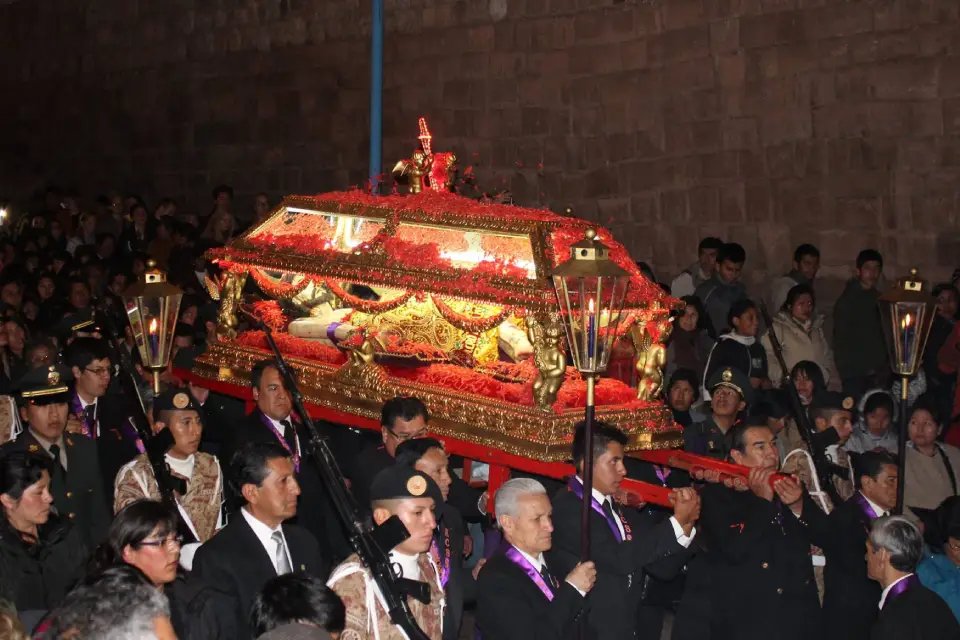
{"points": [[859, 499], [662, 473], [517, 558], [577, 488], [443, 559], [295, 456], [89, 422], [130, 432], [332, 331], [907, 583]]}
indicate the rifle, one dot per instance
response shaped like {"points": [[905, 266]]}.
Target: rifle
{"points": [[371, 545], [815, 445], [155, 446]]}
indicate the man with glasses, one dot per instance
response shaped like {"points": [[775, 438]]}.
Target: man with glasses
{"points": [[75, 481], [94, 413]]}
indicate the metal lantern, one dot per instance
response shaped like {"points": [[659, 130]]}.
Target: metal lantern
{"points": [[908, 310], [153, 305], [591, 291]]}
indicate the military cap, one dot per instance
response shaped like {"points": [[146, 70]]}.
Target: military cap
{"points": [[734, 379], [176, 400], [832, 400], [397, 483], [82, 321], [45, 385]]}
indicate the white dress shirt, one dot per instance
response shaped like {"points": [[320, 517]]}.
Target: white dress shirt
{"points": [[96, 412], [264, 535], [682, 538], [886, 592], [282, 430], [876, 508]]}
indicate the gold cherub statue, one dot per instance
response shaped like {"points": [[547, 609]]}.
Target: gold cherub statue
{"points": [[231, 293], [545, 335], [415, 169], [651, 359]]}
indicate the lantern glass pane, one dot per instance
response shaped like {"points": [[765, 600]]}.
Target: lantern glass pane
{"points": [[153, 321], [590, 308]]}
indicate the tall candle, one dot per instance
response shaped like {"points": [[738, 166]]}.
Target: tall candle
{"points": [[591, 321], [154, 339], [909, 335]]}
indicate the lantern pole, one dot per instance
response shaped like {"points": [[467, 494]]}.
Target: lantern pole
{"points": [[588, 425], [902, 444]]}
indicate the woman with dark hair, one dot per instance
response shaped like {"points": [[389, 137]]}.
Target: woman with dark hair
{"points": [[16, 331], [680, 394], [690, 342], [144, 535], [800, 332], [41, 556], [941, 383], [930, 467], [939, 571], [808, 378]]}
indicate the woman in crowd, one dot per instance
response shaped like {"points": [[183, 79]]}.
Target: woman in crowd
{"points": [[940, 383], [808, 379], [875, 414], [16, 342], [931, 467], [680, 394], [690, 343], [220, 228], [144, 535], [739, 348], [41, 556], [939, 571], [86, 233], [800, 332]]}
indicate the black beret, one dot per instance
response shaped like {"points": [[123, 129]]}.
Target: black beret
{"points": [[397, 483], [175, 400], [827, 400]]}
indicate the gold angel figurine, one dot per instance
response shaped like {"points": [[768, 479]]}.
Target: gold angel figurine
{"points": [[651, 359], [230, 295], [415, 169], [548, 356]]}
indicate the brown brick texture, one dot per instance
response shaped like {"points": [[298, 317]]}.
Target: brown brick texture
{"points": [[767, 122]]}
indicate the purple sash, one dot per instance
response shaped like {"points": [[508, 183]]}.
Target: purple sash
{"points": [[332, 331], [865, 508], [907, 583], [89, 425], [295, 456], [517, 558], [577, 488], [662, 473], [443, 560]]}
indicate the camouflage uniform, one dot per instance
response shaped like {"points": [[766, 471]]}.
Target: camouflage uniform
{"points": [[354, 584], [202, 502]]}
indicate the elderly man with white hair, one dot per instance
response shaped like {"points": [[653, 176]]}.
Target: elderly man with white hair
{"points": [[517, 596], [907, 608]]}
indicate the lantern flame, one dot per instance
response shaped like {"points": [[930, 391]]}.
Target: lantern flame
{"points": [[907, 321], [590, 306], [153, 326]]}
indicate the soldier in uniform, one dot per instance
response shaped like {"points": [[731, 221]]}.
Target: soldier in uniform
{"points": [[731, 393], [193, 478], [412, 496], [75, 480], [756, 550]]}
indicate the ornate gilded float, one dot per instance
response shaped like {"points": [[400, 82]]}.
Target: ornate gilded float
{"points": [[441, 297]]}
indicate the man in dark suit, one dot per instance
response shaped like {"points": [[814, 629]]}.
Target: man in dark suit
{"points": [[850, 597], [757, 551], [401, 419], [273, 422], [94, 413], [220, 412], [622, 544], [907, 608], [75, 481], [427, 455], [256, 545], [518, 597]]}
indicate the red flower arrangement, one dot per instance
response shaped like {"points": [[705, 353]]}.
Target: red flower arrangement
{"points": [[359, 304], [293, 346], [270, 313], [275, 289]]}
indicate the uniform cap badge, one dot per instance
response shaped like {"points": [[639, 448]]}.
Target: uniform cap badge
{"points": [[53, 376], [416, 486], [181, 401], [727, 375]]}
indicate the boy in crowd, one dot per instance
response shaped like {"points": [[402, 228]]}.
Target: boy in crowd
{"points": [[859, 349], [806, 263], [724, 286], [700, 271]]}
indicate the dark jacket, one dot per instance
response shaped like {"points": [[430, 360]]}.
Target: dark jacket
{"points": [[37, 577], [706, 439], [315, 512], [756, 551], [918, 614], [510, 606], [200, 611], [80, 496], [729, 352], [717, 297], [236, 563], [461, 585], [858, 343], [850, 598], [116, 444], [615, 598]]}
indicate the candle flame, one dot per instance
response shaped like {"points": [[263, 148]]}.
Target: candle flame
{"points": [[590, 306], [153, 326], [907, 321]]}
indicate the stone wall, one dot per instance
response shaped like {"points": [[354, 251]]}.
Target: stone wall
{"points": [[768, 122]]}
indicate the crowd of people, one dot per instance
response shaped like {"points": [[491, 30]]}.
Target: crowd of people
{"points": [[219, 523]]}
